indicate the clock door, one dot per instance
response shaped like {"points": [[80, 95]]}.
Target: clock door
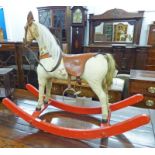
{"points": [[77, 39]]}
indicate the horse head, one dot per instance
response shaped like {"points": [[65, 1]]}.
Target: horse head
{"points": [[31, 29]]}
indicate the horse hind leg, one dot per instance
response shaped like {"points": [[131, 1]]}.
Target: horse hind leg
{"points": [[103, 98]]}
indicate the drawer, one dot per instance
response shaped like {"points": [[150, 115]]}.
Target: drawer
{"points": [[143, 87], [151, 61], [148, 102], [6, 47]]}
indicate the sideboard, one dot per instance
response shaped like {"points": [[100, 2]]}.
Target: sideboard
{"points": [[127, 56], [14, 55]]}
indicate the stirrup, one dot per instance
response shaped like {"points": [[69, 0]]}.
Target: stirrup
{"points": [[70, 92]]}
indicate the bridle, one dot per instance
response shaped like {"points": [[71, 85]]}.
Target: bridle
{"points": [[26, 43], [27, 46]]}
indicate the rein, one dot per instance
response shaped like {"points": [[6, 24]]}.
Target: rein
{"points": [[53, 69]]}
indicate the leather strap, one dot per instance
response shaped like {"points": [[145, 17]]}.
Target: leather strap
{"points": [[45, 56], [69, 81]]}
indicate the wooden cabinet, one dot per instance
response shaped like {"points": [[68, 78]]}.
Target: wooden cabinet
{"points": [[28, 64], [6, 82], [143, 82], [57, 19], [124, 57], [8, 58], [14, 55], [58, 86]]}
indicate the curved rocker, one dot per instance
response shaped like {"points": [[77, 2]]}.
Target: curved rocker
{"points": [[87, 110], [112, 130]]}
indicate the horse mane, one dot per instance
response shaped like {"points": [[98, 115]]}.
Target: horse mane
{"points": [[47, 39]]}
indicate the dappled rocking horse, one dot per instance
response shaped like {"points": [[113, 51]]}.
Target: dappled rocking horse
{"points": [[97, 69]]}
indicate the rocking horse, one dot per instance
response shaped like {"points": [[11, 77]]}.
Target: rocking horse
{"points": [[97, 69]]}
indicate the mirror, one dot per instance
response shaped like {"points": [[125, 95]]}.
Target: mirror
{"points": [[115, 26], [119, 31]]}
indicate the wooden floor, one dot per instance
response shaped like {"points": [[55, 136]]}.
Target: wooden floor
{"points": [[16, 133]]}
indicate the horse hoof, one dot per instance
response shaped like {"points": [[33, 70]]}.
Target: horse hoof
{"points": [[104, 123], [38, 109]]}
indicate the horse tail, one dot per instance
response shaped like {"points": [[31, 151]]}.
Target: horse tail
{"points": [[107, 82]]}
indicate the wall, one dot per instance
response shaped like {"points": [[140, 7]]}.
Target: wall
{"points": [[15, 13], [15, 17], [149, 17]]}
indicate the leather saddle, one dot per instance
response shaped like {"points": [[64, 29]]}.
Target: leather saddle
{"points": [[75, 63]]}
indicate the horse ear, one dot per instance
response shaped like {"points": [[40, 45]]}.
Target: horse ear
{"points": [[30, 18]]}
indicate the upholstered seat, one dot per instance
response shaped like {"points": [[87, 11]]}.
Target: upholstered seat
{"points": [[117, 85], [121, 83]]}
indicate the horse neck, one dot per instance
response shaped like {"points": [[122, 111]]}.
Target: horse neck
{"points": [[46, 41]]}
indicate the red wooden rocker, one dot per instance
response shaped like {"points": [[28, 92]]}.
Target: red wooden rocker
{"points": [[100, 132]]}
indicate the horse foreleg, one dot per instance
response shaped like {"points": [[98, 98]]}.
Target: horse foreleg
{"points": [[48, 90], [42, 84]]}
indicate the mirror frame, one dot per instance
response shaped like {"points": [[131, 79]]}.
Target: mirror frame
{"points": [[116, 15]]}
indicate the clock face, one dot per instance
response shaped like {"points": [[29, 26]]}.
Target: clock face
{"points": [[77, 16]]}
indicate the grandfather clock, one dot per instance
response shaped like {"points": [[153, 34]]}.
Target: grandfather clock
{"points": [[79, 19]]}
